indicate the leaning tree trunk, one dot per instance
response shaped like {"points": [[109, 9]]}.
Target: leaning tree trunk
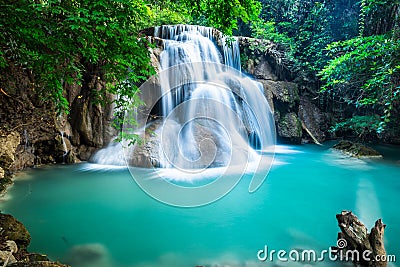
{"points": [[357, 238]]}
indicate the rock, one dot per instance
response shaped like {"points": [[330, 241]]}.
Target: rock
{"points": [[14, 230], [356, 150], [85, 152], [265, 59], [268, 95], [285, 95], [283, 98], [263, 71], [1, 173], [354, 237], [313, 118], [212, 152], [91, 123], [63, 150], [12, 246], [39, 264], [7, 256], [8, 146], [88, 255], [23, 159], [289, 128], [146, 155], [15, 238]]}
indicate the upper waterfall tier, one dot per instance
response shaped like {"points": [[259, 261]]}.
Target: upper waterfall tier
{"points": [[229, 52]]}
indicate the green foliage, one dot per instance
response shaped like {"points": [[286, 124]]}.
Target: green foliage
{"points": [[363, 126], [61, 40], [164, 12], [266, 30], [365, 71], [223, 15], [305, 28], [378, 16]]}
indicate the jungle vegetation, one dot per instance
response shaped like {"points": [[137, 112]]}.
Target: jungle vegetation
{"points": [[348, 49]]}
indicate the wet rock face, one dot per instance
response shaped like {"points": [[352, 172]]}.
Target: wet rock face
{"points": [[146, 155], [289, 127], [91, 123], [283, 98], [293, 112], [285, 95], [313, 118], [8, 146]]}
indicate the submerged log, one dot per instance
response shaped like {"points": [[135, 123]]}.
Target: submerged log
{"points": [[354, 236]]}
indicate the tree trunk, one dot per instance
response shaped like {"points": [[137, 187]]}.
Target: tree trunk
{"points": [[354, 237]]}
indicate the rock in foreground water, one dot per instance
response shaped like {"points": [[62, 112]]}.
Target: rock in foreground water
{"points": [[356, 150], [14, 240]]}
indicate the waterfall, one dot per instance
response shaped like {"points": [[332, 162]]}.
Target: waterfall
{"points": [[212, 114], [26, 137], [65, 149]]}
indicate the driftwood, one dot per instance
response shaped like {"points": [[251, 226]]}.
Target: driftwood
{"points": [[303, 125], [354, 236]]}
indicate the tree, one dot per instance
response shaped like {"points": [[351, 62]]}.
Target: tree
{"points": [[223, 15], [58, 41], [365, 71], [306, 28]]}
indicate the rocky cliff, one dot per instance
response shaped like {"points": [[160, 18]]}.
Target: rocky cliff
{"points": [[297, 116], [31, 132], [14, 241]]}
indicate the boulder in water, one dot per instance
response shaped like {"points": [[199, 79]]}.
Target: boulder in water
{"points": [[88, 255], [356, 150]]}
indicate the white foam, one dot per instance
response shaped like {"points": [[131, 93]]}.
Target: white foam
{"points": [[97, 167]]}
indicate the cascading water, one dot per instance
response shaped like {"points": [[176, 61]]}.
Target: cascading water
{"points": [[65, 149], [213, 116], [184, 45]]}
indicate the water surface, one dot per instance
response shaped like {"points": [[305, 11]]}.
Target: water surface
{"points": [[90, 215]]}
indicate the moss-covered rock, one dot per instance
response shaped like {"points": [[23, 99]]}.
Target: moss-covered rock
{"points": [[289, 128], [12, 229], [14, 241], [356, 150], [285, 94]]}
